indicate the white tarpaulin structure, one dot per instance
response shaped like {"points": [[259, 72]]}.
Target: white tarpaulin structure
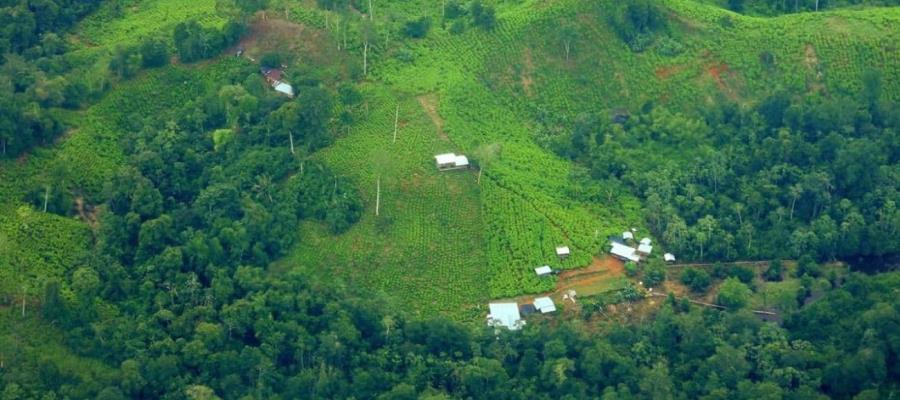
{"points": [[542, 271], [624, 252], [545, 305], [285, 89], [505, 315], [669, 257]]}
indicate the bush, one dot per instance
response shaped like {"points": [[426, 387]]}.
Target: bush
{"points": [[719, 271], [697, 280], [745, 275], [733, 294], [654, 273], [154, 53], [417, 28], [483, 16], [405, 55], [775, 271], [457, 27], [631, 269], [125, 62], [271, 60], [806, 265], [453, 10], [767, 59], [635, 22], [669, 47]]}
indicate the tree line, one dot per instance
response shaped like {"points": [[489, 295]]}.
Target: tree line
{"points": [[247, 335]]}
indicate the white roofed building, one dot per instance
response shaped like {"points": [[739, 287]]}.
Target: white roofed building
{"points": [[285, 89], [450, 161], [623, 252], [627, 235], [545, 305], [645, 249], [563, 251], [669, 257], [646, 241], [543, 271], [505, 315]]}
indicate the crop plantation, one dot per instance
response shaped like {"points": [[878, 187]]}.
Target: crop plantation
{"points": [[448, 242]]}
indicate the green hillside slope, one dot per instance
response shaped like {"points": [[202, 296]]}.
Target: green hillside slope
{"points": [[505, 86]]}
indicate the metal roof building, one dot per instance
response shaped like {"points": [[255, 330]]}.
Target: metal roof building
{"points": [[624, 252], [545, 304], [505, 315]]}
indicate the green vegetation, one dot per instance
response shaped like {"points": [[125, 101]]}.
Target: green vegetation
{"points": [[171, 227]]}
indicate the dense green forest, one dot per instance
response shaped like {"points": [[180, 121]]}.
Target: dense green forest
{"points": [[35, 73], [795, 176], [172, 227]]}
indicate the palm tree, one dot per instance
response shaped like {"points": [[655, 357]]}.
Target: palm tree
{"points": [[263, 187]]}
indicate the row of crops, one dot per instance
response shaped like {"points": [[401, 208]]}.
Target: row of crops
{"points": [[525, 207], [425, 248], [127, 22], [478, 76]]}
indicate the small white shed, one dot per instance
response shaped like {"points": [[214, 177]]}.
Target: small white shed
{"points": [[645, 249], [627, 235], [450, 161], [669, 257], [543, 271], [545, 305], [563, 251], [285, 89], [646, 241]]}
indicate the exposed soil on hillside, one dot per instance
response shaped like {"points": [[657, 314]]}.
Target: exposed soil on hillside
{"points": [[429, 103], [601, 269], [87, 213], [810, 58], [268, 34], [666, 72], [717, 71], [527, 71]]}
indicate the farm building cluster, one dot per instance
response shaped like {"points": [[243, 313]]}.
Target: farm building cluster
{"points": [[510, 315], [275, 78], [624, 248]]}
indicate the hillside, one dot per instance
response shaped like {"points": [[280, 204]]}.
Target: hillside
{"points": [[172, 241], [513, 88], [495, 88]]}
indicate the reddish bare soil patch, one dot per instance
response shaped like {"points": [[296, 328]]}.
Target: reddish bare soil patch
{"points": [[429, 103], [601, 269], [663, 73], [716, 71]]}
